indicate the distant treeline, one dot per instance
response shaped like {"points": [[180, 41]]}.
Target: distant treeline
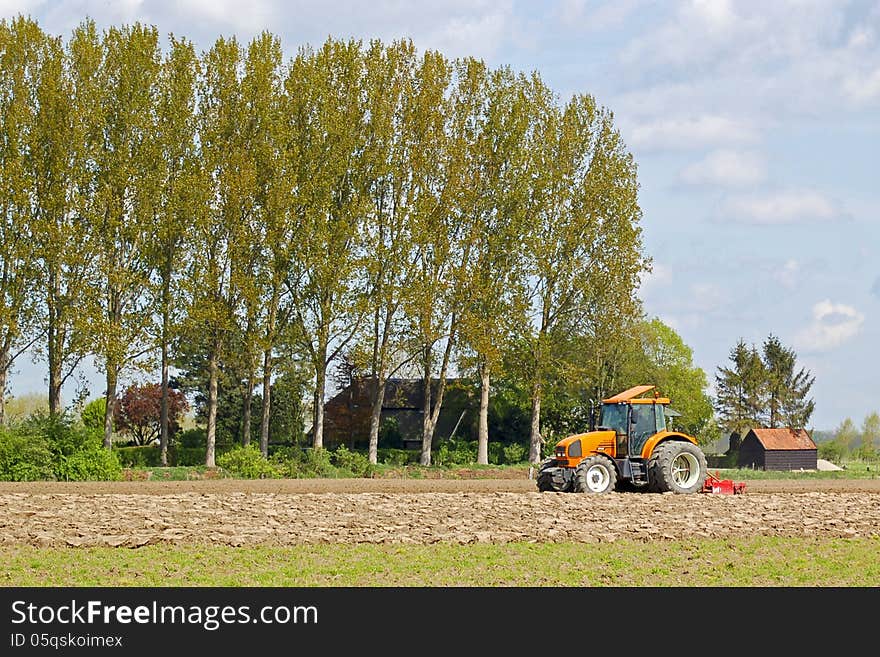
{"points": [[243, 217]]}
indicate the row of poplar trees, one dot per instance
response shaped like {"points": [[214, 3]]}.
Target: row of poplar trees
{"points": [[358, 198]]}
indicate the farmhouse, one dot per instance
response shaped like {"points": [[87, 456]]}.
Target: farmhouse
{"points": [[777, 449], [347, 414]]}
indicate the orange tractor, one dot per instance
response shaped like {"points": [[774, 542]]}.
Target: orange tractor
{"points": [[631, 449]]}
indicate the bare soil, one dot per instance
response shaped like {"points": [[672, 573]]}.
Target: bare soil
{"points": [[291, 512]]}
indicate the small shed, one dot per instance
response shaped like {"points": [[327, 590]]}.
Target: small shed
{"points": [[777, 449]]}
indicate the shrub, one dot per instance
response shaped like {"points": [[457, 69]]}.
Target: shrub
{"points": [[397, 457], [247, 462], [25, 457], [515, 453], [316, 463], [92, 414], [145, 456], [456, 452], [95, 463], [192, 438], [354, 462]]}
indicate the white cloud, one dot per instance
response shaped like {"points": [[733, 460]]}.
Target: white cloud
{"points": [[10, 8], [692, 132], [863, 88], [785, 207], [726, 168], [832, 325], [789, 273]]}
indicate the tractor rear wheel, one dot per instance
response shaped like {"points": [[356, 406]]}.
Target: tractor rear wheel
{"points": [[596, 475], [677, 467]]}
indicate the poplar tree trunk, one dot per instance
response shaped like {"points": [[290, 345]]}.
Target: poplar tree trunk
{"points": [[376, 417], [4, 374], [535, 433], [267, 402], [483, 432], [54, 346], [164, 429], [110, 396], [212, 409], [320, 385], [246, 411]]}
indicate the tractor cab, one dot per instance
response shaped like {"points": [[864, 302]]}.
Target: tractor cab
{"points": [[633, 420]]}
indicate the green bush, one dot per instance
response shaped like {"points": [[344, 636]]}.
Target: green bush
{"points": [[317, 463], [397, 457], [515, 453], [354, 462], [92, 414], [456, 452], [191, 455], [25, 457], [192, 438], [247, 463], [144, 456], [95, 463], [55, 447]]}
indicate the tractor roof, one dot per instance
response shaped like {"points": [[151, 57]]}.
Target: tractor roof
{"points": [[632, 394]]}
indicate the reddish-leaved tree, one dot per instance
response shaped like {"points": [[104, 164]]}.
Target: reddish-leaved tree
{"points": [[138, 412]]}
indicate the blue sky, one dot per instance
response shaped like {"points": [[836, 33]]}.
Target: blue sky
{"points": [[755, 126]]}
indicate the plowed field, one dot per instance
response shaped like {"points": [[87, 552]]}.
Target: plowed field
{"points": [[292, 512]]}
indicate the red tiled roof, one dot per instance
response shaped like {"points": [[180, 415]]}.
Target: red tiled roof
{"points": [[784, 438]]}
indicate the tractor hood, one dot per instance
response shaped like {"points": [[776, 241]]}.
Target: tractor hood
{"points": [[570, 450]]}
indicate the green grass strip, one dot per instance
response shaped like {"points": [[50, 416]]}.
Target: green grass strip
{"points": [[753, 562]]}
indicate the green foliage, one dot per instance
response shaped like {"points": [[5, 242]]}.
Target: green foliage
{"points": [[92, 414], [93, 463], [55, 447], [247, 463], [25, 457], [354, 462], [141, 456], [763, 388], [192, 438], [389, 433], [831, 450], [397, 457], [456, 452], [515, 453]]}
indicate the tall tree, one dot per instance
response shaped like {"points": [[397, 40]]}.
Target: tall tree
{"points": [[439, 248], [787, 389], [741, 390], [213, 277], [390, 261], [871, 431], [124, 205], [326, 120], [846, 434], [63, 145], [175, 162], [584, 245], [21, 43], [275, 225], [493, 206]]}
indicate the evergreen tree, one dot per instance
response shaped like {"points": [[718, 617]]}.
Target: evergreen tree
{"points": [[787, 389], [741, 390]]}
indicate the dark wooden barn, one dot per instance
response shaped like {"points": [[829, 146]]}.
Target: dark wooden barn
{"points": [[777, 449], [347, 414]]}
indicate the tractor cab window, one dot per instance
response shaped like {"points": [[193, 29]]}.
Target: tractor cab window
{"points": [[613, 416], [661, 417], [644, 425]]}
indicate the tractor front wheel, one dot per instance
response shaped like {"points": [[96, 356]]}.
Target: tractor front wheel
{"points": [[677, 467], [595, 474]]}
